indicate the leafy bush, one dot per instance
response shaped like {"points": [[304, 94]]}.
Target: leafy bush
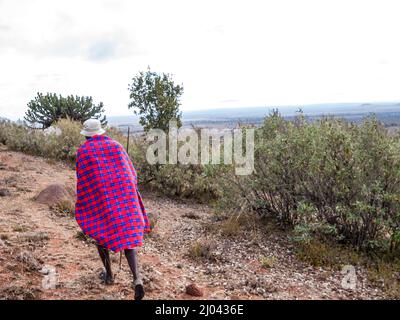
{"points": [[62, 140], [329, 179], [197, 182], [20, 138]]}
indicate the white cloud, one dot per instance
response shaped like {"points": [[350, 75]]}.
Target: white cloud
{"points": [[226, 53]]}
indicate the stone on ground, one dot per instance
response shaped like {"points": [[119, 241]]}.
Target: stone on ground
{"points": [[194, 290], [55, 194]]}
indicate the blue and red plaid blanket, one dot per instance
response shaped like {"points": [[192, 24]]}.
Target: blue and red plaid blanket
{"points": [[109, 207]]}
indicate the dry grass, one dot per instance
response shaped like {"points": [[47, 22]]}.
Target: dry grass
{"points": [[230, 227], [383, 274], [83, 237], [320, 254], [29, 261], [64, 208], [153, 219], [20, 228], [202, 251], [17, 292], [35, 237], [387, 276], [267, 262]]}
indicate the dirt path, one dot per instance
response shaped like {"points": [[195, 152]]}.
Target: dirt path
{"points": [[33, 236]]}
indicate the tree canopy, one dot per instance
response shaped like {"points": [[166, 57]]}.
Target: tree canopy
{"points": [[44, 110], [156, 98]]}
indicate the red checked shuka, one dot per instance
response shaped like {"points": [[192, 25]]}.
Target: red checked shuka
{"points": [[109, 207]]}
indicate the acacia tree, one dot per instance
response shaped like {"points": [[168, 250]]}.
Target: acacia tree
{"points": [[156, 99], [47, 109]]}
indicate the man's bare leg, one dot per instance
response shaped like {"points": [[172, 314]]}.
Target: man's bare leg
{"points": [[131, 256], [105, 258]]}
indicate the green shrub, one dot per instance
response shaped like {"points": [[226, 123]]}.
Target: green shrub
{"points": [[59, 142], [65, 141], [62, 140], [329, 179], [197, 182], [18, 137]]}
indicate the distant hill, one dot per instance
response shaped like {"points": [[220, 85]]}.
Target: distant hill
{"points": [[2, 119], [314, 109], [389, 113]]}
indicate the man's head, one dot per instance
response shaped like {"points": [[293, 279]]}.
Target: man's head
{"points": [[92, 127]]}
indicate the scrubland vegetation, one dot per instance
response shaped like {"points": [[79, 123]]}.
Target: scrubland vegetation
{"points": [[328, 179], [334, 185]]}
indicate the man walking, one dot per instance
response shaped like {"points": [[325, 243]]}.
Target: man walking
{"points": [[109, 207]]}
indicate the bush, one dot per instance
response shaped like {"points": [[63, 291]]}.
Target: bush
{"points": [[59, 142], [329, 179], [62, 140], [197, 182], [18, 137]]}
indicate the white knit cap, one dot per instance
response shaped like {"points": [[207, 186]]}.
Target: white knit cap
{"points": [[92, 127]]}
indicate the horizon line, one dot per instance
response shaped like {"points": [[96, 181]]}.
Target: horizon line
{"points": [[281, 106], [393, 102]]}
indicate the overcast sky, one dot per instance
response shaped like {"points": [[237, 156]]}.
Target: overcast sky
{"points": [[226, 53]]}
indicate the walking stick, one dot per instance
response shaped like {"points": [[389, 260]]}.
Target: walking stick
{"points": [[127, 143]]}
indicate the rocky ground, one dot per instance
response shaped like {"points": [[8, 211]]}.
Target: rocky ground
{"points": [[43, 256]]}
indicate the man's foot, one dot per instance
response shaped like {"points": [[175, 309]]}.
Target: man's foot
{"points": [[106, 278], [139, 289]]}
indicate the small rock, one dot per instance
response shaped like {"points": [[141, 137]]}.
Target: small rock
{"points": [[218, 295], [158, 272], [191, 215], [260, 291], [5, 193], [194, 290], [56, 194]]}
